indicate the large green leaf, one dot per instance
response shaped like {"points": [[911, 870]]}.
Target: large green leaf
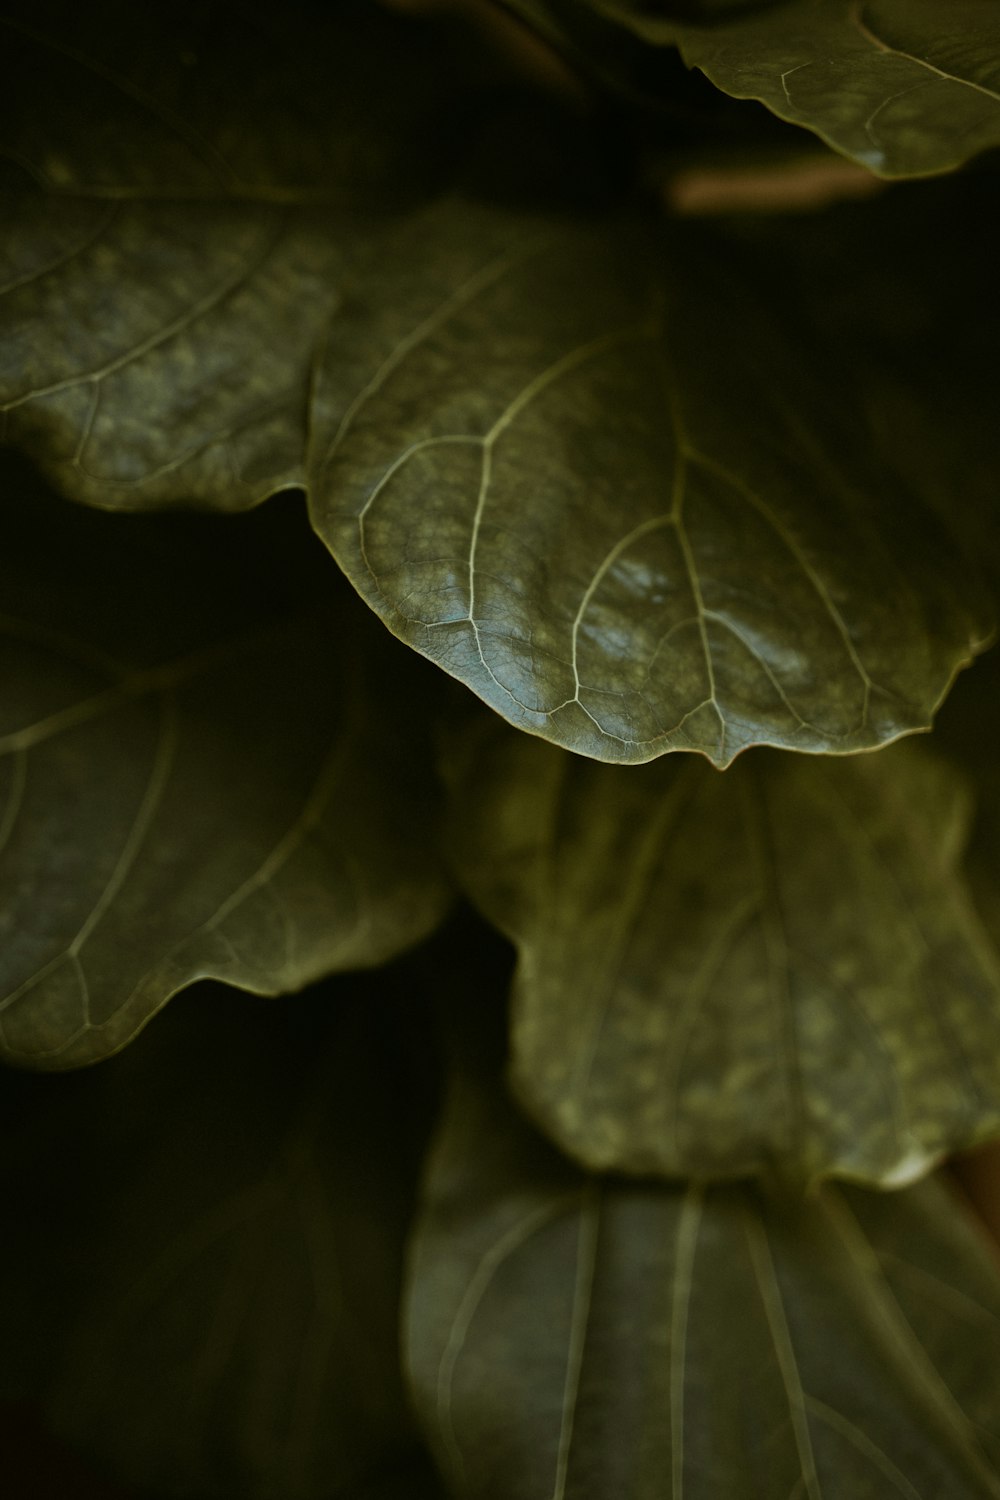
{"points": [[203, 1240], [579, 1338], [906, 87], [204, 173], [773, 971], [607, 485], [195, 778]]}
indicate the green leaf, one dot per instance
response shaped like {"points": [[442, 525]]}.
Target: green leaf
{"points": [[581, 1338], [773, 971], [194, 777], [158, 351], [905, 87], [617, 491], [202, 1257]]}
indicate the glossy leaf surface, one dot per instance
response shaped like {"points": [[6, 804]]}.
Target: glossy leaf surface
{"points": [[610, 481], [605, 484], [194, 780], [205, 1236], [580, 1338], [778, 970]]}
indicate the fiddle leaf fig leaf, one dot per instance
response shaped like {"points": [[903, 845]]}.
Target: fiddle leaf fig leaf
{"points": [[185, 330], [582, 1337], [776, 971], [206, 1236], [195, 778], [604, 483], [905, 87], [206, 177]]}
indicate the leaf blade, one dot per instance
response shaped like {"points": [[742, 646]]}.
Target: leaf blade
{"points": [[189, 792], [612, 553], [746, 975], [903, 89], [787, 1379]]}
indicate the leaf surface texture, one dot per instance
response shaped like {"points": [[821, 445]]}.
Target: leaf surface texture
{"points": [[778, 970], [577, 1338], [610, 478], [644, 523], [193, 781]]}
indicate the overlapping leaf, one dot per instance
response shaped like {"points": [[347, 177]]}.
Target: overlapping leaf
{"points": [[204, 172], [649, 518], [159, 352], [777, 970], [203, 1249], [194, 776], [906, 87], [581, 1338], [607, 483], [591, 505]]}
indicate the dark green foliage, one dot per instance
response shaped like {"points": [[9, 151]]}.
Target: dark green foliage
{"points": [[645, 486]]}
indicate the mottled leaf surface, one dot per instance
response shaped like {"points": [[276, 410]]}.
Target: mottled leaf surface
{"points": [[650, 518], [773, 971], [203, 1247], [205, 175], [906, 87], [576, 1337], [157, 353], [194, 777]]}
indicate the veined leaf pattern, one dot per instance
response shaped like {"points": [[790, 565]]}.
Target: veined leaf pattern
{"points": [[905, 87], [774, 971], [188, 791], [201, 176], [651, 515], [611, 551], [577, 1338]]}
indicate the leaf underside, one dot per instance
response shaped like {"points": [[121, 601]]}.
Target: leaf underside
{"points": [[907, 88], [580, 1338]]}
